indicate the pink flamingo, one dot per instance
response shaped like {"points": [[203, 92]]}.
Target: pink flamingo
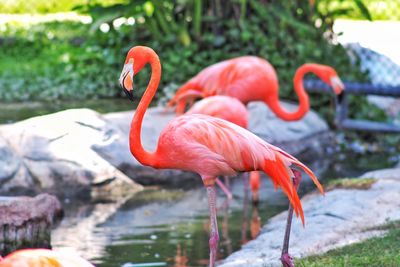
{"points": [[232, 110], [43, 258], [208, 146], [250, 78]]}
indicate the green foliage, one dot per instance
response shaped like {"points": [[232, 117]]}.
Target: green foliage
{"points": [[44, 6], [378, 251], [361, 9], [81, 61], [283, 33]]}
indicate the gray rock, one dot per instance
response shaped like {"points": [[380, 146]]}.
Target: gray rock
{"points": [[55, 153], [9, 162], [310, 136], [26, 221], [340, 218], [79, 151], [310, 133]]}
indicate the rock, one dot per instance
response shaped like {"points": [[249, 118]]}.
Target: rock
{"points": [[9, 163], [26, 221], [309, 136], [340, 218], [80, 152], [55, 153]]}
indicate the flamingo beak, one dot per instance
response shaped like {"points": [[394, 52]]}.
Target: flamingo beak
{"points": [[126, 79], [337, 85]]}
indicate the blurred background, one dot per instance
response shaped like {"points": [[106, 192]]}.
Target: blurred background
{"points": [[67, 53], [59, 54]]}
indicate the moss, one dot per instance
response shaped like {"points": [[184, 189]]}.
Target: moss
{"points": [[351, 183]]}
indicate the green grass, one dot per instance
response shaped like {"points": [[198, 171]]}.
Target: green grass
{"points": [[45, 6], [378, 251], [378, 9], [351, 183]]}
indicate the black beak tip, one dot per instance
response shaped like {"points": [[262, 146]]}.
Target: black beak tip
{"points": [[128, 94]]}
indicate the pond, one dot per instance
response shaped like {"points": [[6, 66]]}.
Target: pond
{"points": [[169, 227]]}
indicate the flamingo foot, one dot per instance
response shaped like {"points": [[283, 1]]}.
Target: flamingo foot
{"points": [[224, 188], [287, 260]]}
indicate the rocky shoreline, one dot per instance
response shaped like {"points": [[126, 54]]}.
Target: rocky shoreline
{"points": [[341, 217]]}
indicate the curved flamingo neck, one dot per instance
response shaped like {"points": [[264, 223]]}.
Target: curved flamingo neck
{"points": [[143, 156], [304, 103]]}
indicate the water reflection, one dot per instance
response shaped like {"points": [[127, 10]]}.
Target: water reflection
{"points": [[160, 226], [181, 258]]}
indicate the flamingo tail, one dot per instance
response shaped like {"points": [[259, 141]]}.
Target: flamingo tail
{"points": [[281, 175]]}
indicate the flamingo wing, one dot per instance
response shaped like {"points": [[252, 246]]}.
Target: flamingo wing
{"points": [[212, 146]]}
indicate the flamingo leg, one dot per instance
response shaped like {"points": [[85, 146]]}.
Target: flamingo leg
{"points": [[224, 188], [227, 182], [245, 209], [286, 259], [246, 184], [214, 237], [255, 186]]}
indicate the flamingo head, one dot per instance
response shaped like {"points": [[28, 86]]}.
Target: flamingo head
{"points": [[330, 77], [135, 60]]}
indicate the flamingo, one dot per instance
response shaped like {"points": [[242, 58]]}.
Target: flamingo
{"points": [[43, 258], [208, 146], [250, 78], [230, 109]]}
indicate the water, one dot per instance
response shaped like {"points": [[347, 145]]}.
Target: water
{"points": [[161, 227]]}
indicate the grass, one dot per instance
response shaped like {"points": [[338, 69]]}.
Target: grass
{"points": [[351, 183], [378, 251], [45, 6], [378, 9]]}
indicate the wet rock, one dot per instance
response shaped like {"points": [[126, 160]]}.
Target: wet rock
{"points": [[54, 153], [340, 218], [26, 221], [310, 137]]}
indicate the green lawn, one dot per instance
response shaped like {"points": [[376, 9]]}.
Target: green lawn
{"points": [[379, 251]]}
